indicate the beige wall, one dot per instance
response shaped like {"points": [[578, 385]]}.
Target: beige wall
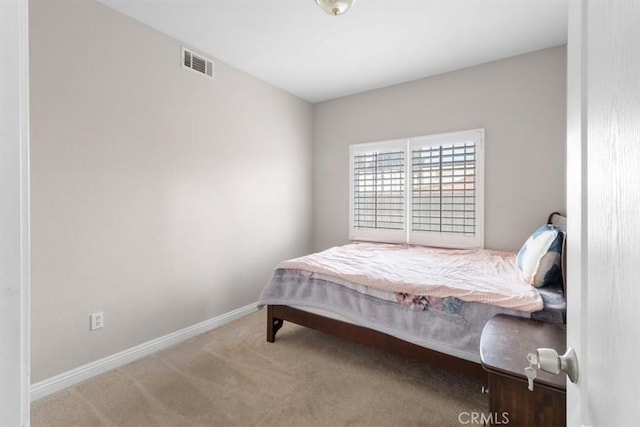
{"points": [[158, 196], [519, 101]]}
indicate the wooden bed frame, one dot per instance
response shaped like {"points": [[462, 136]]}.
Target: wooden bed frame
{"points": [[277, 314]]}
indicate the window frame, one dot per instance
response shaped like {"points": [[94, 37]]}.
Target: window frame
{"points": [[407, 234]]}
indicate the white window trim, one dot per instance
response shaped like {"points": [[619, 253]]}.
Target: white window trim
{"points": [[406, 235]]}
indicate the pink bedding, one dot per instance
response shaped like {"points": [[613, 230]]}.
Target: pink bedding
{"points": [[484, 276]]}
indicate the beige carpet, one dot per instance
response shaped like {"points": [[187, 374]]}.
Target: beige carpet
{"points": [[232, 377]]}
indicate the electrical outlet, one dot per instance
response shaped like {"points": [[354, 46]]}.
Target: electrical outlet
{"points": [[97, 320]]}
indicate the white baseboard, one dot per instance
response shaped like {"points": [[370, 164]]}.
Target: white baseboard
{"points": [[106, 364]]}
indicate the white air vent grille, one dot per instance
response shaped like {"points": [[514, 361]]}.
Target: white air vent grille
{"points": [[197, 63]]}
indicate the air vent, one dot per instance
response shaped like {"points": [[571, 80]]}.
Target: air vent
{"points": [[197, 63]]}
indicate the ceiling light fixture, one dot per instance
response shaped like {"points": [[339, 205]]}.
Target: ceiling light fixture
{"points": [[335, 7]]}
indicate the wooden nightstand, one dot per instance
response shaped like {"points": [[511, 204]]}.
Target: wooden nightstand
{"points": [[504, 345]]}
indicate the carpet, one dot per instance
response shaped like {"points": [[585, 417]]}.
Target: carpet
{"points": [[232, 377]]}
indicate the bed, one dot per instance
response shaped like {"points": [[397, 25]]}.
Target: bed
{"points": [[398, 309]]}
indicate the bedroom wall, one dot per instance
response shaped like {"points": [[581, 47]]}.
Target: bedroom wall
{"points": [[158, 196], [521, 103]]}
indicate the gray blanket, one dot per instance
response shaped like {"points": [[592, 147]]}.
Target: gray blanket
{"points": [[455, 333]]}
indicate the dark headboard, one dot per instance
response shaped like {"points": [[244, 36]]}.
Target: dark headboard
{"points": [[559, 220], [556, 218]]}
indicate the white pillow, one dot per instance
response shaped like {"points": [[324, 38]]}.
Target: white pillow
{"points": [[541, 255]]}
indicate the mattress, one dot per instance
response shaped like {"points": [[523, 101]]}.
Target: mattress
{"points": [[480, 275]]}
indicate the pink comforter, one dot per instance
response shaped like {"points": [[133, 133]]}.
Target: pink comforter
{"points": [[484, 276]]}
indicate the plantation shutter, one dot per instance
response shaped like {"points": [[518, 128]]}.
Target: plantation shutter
{"points": [[426, 191], [378, 192], [446, 201]]}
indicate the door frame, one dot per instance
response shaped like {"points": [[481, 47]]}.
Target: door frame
{"points": [[14, 218], [576, 198]]}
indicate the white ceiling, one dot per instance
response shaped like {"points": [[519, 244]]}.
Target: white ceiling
{"points": [[296, 46]]}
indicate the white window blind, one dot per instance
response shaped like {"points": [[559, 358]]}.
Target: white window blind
{"points": [[426, 190]]}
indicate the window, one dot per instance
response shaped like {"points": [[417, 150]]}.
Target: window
{"points": [[426, 190]]}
